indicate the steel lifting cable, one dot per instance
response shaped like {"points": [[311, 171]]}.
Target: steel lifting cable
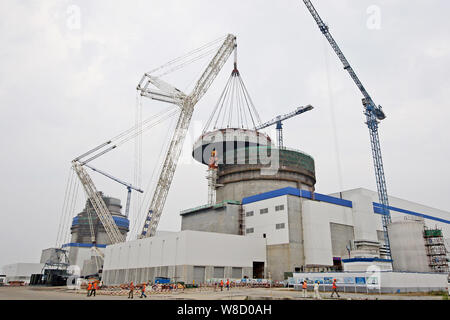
{"points": [[139, 214], [230, 109], [208, 123], [233, 105], [242, 104], [333, 117], [219, 40], [156, 169], [136, 126], [63, 210], [69, 177], [68, 209], [72, 210], [138, 151], [207, 53], [247, 95], [67, 201], [168, 115], [227, 103], [223, 98]]}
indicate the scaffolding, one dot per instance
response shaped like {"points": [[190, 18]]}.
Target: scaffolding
{"points": [[212, 185], [436, 250], [241, 221]]}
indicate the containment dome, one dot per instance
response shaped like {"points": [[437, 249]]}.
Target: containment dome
{"points": [[226, 143]]}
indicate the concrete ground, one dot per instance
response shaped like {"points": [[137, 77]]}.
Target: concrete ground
{"points": [[62, 293]]}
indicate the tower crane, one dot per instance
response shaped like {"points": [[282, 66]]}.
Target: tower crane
{"points": [[373, 114], [165, 92], [278, 121], [128, 185]]}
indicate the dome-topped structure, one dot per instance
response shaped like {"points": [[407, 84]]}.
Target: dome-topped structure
{"points": [[243, 161], [226, 143]]}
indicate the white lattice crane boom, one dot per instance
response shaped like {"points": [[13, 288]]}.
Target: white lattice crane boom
{"points": [[99, 205], [167, 93]]}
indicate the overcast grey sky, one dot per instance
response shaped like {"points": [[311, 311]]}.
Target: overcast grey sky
{"points": [[68, 84]]}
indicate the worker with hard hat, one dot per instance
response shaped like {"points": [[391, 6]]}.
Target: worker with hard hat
{"points": [[334, 288]]}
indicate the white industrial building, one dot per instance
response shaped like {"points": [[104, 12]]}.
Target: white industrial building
{"points": [[286, 231], [332, 226], [21, 272], [183, 256]]}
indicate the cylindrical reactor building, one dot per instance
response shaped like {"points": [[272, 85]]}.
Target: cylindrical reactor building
{"points": [[80, 229], [249, 164]]}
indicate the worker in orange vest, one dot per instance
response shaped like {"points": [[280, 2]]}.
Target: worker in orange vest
{"points": [[89, 288], [221, 285], [334, 287], [228, 284], [143, 291], [94, 288], [305, 289], [130, 293]]}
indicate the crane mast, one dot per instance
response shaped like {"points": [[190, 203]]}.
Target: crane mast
{"points": [[373, 113], [167, 93]]}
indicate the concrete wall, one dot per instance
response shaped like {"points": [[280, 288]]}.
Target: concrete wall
{"points": [[389, 282], [220, 220], [341, 236], [408, 246], [241, 189], [317, 217]]}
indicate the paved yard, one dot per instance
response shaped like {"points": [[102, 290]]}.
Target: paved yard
{"points": [[46, 293]]}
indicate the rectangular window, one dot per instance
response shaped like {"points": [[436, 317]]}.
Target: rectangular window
{"points": [[249, 214], [236, 273], [249, 230], [279, 208], [262, 211], [279, 226], [219, 272]]}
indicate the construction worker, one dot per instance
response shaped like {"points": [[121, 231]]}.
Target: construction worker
{"points": [[143, 291], [221, 285], [130, 293], [89, 288], [334, 287], [94, 288], [305, 289], [316, 290], [228, 284]]}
